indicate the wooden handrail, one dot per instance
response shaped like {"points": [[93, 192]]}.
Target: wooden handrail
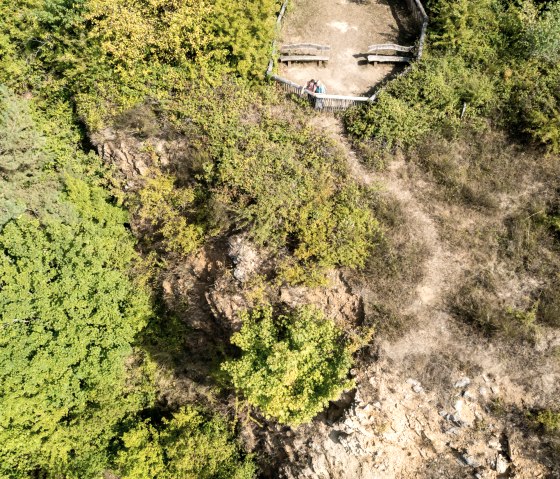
{"points": [[328, 102], [295, 46], [390, 46]]}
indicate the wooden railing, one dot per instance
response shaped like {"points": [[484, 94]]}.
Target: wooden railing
{"points": [[319, 101], [325, 102], [419, 14]]}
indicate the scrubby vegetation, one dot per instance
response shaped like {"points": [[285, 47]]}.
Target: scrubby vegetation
{"points": [[77, 380], [291, 365], [104, 348], [487, 61], [191, 444]]}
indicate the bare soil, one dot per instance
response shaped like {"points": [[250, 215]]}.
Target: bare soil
{"points": [[349, 27]]}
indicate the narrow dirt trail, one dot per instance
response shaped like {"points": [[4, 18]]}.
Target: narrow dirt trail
{"points": [[442, 268], [434, 331]]}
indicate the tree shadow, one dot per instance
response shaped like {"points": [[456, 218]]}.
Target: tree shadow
{"points": [[407, 30], [184, 338]]}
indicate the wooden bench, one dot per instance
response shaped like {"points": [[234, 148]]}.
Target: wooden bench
{"points": [[384, 53], [304, 52], [387, 59]]}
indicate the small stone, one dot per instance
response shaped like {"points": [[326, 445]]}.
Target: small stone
{"points": [[469, 395], [469, 461], [483, 391], [494, 444], [412, 382], [501, 464], [417, 388], [462, 382], [377, 405], [443, 413], [459, 406]]}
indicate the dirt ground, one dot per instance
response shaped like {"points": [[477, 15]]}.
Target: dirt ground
{"points": [[437, 401], [349, 27]]}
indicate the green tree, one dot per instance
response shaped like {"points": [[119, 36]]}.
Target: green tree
{"points": [[69, 312], [291, 365], [190, 445], [22, 159]]}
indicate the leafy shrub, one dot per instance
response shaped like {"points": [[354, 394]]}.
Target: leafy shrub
{"points": [[190, 445], [22, 161], [428, 99], [291, 365], [534, 103], [109, 56], [69, 312], [496, 58], [471, 30], [544, 35], [274, 177], [165, 207], [549, 420]]}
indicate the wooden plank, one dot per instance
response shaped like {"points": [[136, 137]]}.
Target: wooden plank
{"points": [[303, 58], [387, 59], [390, 46], [326, 96], [297, 46], [281, 14]]}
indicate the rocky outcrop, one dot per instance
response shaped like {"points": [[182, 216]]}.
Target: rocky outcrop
{"points": [[134, 156], [395, 428], [336, 299]]}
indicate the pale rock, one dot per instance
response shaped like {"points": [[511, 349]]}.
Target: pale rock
{"points": [[501, 464], [462, 382], [244, 256], [494, 444], [469, 460]]}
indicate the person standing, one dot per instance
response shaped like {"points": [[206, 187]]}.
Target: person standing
{"points": [[320, 88]]}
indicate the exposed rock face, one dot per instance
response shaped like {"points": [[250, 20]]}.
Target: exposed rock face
{"points": [[123, 151], [395, 428], [336, 299], [134, 156], [226, 301], [244, 256]]}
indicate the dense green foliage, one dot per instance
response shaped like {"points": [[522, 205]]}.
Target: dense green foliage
{"points": [[23, 159], [191, 445], [110, 55], [69, 313], [495, 59], [166, 207], [76, 383], [291, 365]]}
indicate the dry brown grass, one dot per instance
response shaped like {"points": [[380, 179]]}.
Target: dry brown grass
{"points": [[393, 270]]}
